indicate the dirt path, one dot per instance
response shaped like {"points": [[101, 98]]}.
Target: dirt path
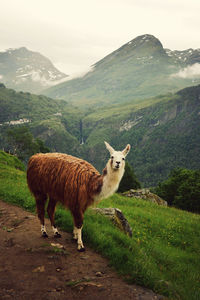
{"points": [[31, 268]]}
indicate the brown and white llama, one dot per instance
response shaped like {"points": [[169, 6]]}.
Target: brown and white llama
{"points": [[73, 182]]}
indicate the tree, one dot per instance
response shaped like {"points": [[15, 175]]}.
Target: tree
{"points": [[22, 143], [182, 189], [42, 147], [129, 180]]}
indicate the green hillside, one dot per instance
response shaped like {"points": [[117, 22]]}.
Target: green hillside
{"points": [[163, 253], [163, 133], [53, 121], [140, 69]]}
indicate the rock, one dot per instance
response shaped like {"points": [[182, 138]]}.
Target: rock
{"points": [[99, 274], [80, 285], [145, 194], [39, 269], [84, 257], [29, 217], [9, 229], [58, 269], [57, 245], [117, 217], [7, 297]]}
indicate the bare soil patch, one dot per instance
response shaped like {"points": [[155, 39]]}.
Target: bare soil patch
{"points": [[35, 268]]}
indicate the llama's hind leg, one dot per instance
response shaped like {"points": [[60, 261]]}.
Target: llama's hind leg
{"points": [[51, 211], [40, 203], [78, 225]]}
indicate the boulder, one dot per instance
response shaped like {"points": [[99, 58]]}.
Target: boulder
{"points": [[146, 195], [117, 218]]}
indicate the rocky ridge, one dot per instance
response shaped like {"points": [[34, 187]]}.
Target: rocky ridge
{"points": [[145, 194]]}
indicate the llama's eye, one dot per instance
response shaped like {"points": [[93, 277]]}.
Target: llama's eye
{"points": [[112, 157], [123, 158]]}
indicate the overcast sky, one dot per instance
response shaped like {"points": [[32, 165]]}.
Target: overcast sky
{"points": [[74, 34]]}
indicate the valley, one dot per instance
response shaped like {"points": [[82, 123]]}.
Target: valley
{"points": [[163, 131]]}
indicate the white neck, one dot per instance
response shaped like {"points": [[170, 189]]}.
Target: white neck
{"points": [[110, 182]]}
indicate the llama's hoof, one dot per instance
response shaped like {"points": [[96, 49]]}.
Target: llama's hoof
{"points": [[57, 235], [81, 249], [44, 235]]}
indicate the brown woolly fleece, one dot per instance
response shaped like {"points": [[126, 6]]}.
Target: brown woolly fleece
{"points": [[64, 178]]}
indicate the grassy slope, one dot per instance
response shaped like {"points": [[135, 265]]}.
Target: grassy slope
{"points": [[163, 253], [60, 132]]}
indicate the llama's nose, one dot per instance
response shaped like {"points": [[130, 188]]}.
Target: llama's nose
{"points": [[118, 162]]}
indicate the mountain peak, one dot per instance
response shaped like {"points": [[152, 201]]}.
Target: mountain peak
{"points": [[23, 49], [142, 46], [143, 42], [145, 38], [15, 50]]}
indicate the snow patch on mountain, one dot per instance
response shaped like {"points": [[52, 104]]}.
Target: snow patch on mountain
{"points": [[189, 56], [43, 76]]}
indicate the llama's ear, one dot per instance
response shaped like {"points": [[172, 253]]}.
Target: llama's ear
{"points": [[126, 150], [109, 148]]}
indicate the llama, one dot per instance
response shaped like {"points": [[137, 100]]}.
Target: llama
{"points": [[73, 182]]}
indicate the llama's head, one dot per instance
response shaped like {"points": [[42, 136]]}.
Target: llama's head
{"points": [[117, 158]]}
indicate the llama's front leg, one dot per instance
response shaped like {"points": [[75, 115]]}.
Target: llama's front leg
{"points": [[75, 233]]}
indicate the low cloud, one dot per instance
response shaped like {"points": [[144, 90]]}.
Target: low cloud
{"points": [[80, 74], [37, 77], [188, 72]]}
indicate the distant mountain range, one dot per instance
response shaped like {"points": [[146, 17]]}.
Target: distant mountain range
{"points": [[22, 69], [139, 69]]}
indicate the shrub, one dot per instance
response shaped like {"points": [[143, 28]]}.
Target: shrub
{"points": [[182, 189], [129, 180]]}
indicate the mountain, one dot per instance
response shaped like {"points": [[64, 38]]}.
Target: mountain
{"points": [[22, 69], [139, 69], [163, 131]]}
